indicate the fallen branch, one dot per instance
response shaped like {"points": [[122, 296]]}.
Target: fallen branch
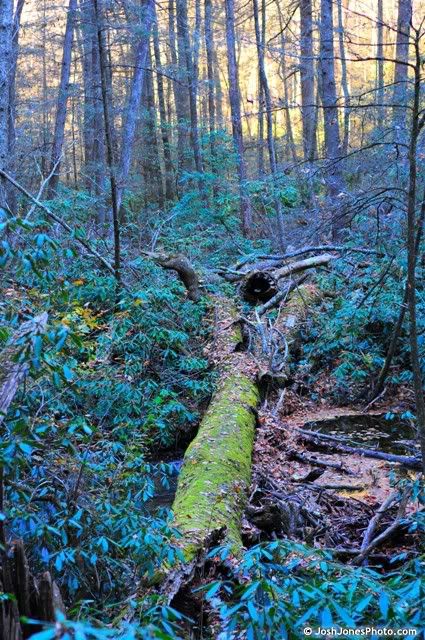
{"points": [[12, 372], [318, 439], [388, 531], [336, 487], [184, 269], [280, 296], [299, 252], [368, 535], [317, 462]]}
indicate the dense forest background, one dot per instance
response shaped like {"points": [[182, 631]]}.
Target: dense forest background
{"points": [[211, 220]]}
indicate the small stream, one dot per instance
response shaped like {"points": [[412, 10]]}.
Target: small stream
{"points": [[389, 433]]}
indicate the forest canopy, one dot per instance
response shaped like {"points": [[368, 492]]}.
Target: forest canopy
{"points": [[212, 319]]}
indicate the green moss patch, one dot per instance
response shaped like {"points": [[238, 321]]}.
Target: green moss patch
{"points": [[216, 473]]}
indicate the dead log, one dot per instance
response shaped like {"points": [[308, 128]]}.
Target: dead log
{"points": [[32, 597], [325, 442], [216, 472], [252, 262], [370, 543], [262, 286], [183, 268], [318, 462]]}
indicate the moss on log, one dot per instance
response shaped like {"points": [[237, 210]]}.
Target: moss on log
{"points": [[215, 477], [216, 474]]}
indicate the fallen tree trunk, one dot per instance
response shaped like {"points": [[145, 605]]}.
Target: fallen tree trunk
{"points": [[12, 373], [216, 473], [184, 269], [261, 286]]}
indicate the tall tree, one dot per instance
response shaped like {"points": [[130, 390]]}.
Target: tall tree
{"points": [[186, 59], [308, 108], [132, 110], [109, 136], [164, 125], [401, 69], [330, 108], [11, 140], [380, 62], [344, 74], [235, 109], [181, 100], [154, 192], [261, 101], [62, 101], [6, 36], [269, 115], [209, 49], [93, 128]]}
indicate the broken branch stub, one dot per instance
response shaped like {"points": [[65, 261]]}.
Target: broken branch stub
{"points": [[184, 269]]}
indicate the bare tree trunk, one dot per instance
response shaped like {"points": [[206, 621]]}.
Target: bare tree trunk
{"points": [[235, 108], [129, 126], [308, 107], [6, 37], [269, 112], [180, 96], [291, 150], [401, 70], [11, 139], [45, 115], [59, 132], [261, 100], [344, 76], [166, 147], [154, 191], [380, 68], [107, 116], [218, 92], [190, 75], [209, 48], [411, 256], [94, 146], [330, 108]]}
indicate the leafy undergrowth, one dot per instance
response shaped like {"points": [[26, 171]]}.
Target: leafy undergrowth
{"points": [[276, 591], [112, 385], [115, 382], [344, 344]]}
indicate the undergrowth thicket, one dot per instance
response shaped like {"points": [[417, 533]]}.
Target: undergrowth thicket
{"points": [[115, 382]]}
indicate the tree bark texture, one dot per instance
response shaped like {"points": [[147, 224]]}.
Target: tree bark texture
{"points": [[235, 108], [308, 107], [130, 121], [6, 35], [62, 102], [329, 103], [401, 70]]}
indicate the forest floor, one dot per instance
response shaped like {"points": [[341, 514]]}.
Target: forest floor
{"points": [[326, 498]]}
